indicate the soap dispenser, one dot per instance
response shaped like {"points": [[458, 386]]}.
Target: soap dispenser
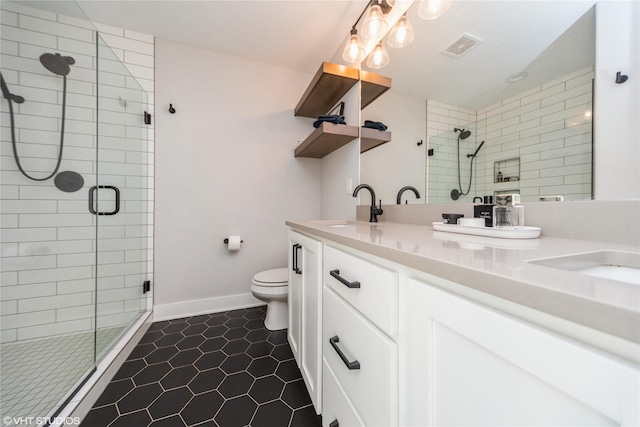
{"points": [[508, 212]]}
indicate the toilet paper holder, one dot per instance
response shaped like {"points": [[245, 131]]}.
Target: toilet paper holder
{"points": [[226, 241]]}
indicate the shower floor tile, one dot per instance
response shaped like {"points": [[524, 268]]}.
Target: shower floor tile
{"points": [[37, 375], [222, 369]]}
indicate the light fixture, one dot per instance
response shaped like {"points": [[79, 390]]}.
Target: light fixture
{"points": [[401, 34], [516, 77], [378, 58], [432, 9], [374, 25], [354, 51]]}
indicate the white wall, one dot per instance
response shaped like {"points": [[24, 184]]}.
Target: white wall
{"points": [[617, 106], [224, 165]]}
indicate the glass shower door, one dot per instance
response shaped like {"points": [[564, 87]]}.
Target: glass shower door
{"points": [[119, 199]]}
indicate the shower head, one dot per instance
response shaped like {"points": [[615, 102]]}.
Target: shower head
{"points": [[7, 93], [464, 134], [57, 63], [477, 149]]}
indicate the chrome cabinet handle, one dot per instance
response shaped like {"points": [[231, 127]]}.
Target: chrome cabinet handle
{"points": [[349, 364], [336, 275]]}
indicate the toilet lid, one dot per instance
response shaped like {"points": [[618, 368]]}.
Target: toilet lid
{"points": [[275, 277]]}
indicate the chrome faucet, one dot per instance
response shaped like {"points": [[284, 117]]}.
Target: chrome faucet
{"points": [[403, 189], [374, 211]]}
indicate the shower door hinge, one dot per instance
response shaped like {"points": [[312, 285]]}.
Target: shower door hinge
{"points": [[146, 286], [147, 118]]}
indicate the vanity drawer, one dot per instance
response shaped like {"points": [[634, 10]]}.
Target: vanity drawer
{"points": [[336, 406], [372, 385], [377, 295]]}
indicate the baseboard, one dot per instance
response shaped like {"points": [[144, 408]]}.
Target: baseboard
{"points": [[181, 309]]}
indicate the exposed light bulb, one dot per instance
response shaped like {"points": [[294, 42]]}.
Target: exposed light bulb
{"points": [[378, 58], [401, 34], [354, 50], [374, 25], [432, 9]]}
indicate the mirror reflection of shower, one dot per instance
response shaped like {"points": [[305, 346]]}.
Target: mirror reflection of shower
{"points": [[457, 192], [60, 66]]}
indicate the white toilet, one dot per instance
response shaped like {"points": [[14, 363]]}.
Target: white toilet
{"points": [[272, 287]]}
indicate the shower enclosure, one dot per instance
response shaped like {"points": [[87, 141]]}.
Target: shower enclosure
{"points": [[74, 246]]}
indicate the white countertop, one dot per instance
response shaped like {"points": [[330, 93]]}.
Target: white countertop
{"points": [[499, 267]]}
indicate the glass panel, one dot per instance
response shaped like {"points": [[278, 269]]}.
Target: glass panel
{"points": [[47, 234], [122, 181]]}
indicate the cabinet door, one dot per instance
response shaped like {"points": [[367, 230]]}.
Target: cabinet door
{"points": [[305, 308], [472, 365]]}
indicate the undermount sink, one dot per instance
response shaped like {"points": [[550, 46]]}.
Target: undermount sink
{"points": [[613, 265], [340, 224]]}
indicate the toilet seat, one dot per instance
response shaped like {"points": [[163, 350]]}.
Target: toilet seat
{"points": [[274, 277]]}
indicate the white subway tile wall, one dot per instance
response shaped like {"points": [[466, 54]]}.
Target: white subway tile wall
{"points": [[548, 128], [48, 237]]}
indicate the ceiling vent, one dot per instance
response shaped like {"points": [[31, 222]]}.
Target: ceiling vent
{"points": [[461, 46]]}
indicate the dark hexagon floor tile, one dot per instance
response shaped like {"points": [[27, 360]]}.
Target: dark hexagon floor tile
{"points": [[185, 357], [157, 326], [257, 335], [167, 340], [266, 389], [196, 320], [141, 350], [236, 412], [114, 392], [235, 322], [215, 331], [202, 407], [263, 366], [236, 333], [235, 363], [235, 347], [206, 380], [295, 394], [254, 324], [259, 349], [306, 417], [174, 421], [178, 377], [139, 418], [162, 354], [213, 344], [192, 341], [174, 328], [150, 337], [235, 385], [195, 329], [278, 337], [288, 370], [282, 353], [170, 402], [271, 414], [139, 398], [151, 373], [129, 369], [210, 360], [216, 320], [100, 417], [236, 313], [255, 313]]}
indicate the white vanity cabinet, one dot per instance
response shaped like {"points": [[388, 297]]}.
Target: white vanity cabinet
{"points": [[360, 356], [305, 310], [469, 364]]}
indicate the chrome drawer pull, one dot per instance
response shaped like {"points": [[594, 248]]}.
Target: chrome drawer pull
{"points": [[334, 423], [336, 275], [351, 365]]}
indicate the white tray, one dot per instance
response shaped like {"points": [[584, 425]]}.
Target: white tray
{"points": [[503, 233]]}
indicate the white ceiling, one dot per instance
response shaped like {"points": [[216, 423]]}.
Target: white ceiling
{"points": [[300, 34]]}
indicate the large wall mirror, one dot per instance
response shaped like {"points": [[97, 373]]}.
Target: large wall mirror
{"points": [[491, 97]]}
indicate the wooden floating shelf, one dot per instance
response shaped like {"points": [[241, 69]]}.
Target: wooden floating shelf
{"points": [[328, 86], [373, 85], [327, 138], [371, 138]]}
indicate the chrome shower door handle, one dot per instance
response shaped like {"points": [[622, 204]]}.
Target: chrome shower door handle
{"points": [[92, 191]]}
